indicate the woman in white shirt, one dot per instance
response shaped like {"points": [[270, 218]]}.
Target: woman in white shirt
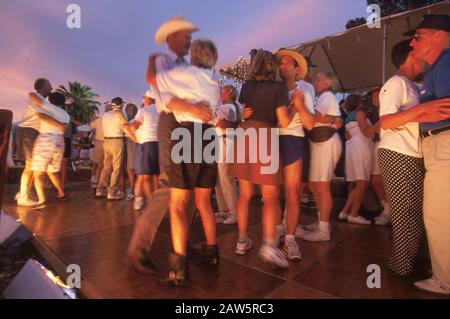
{"points": [[358, 158], [325, 152]]}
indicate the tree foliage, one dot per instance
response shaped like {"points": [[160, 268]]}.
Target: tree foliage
{"points": [[81, 103]]}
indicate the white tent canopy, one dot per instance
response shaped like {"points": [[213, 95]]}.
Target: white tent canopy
{"points": [[360, 57]]}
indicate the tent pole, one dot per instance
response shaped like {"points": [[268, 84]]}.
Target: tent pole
{"points": [[384, 51]]}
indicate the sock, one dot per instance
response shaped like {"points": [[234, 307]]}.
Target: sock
{"points": [[243, 237], [290, 238], [324, 226]]}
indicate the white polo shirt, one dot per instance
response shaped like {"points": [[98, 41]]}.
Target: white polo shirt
{"points": [[400, 94], [192, 84], [148, 116], [112, 127], [30, 119], [295, 127]]}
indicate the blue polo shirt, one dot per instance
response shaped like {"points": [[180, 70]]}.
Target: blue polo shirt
{"points": [[436, 85]]}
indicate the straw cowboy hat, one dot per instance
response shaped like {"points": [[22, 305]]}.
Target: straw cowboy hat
{"points": [[171, 26], [300, 59]]}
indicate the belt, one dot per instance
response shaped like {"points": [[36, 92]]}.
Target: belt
{"points": [[435, 131], [113, 138]]}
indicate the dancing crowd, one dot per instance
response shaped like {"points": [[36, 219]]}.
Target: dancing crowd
{"points": [[287, 110]]}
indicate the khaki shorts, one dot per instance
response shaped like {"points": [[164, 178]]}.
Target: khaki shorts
{"points": [[97, 152]]}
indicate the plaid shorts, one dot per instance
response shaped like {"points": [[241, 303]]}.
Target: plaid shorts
{"points": [[48, 152]]}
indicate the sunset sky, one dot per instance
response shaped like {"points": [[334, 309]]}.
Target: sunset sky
{"points": [[109, 52]]}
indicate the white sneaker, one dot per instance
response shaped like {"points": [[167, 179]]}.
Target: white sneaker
{"points": [[358, 220], [273, 256], [382, 220], [116, 196], [243, 246], [231, 219], [101, 193], [292, 250], [93, 179], [433, 285], [317, 235], [343, 216], [300, 231], [138, 203], [312, 227], [130, 196]]}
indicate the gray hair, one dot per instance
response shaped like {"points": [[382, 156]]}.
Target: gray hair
{"points": [[203, 53], [331, 77]]}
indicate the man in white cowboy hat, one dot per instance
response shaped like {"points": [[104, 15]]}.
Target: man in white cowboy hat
{"points": [[113, 151], [293, 67], [177, 34]]}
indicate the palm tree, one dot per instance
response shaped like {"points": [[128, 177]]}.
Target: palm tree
{"points": [[81, 101]]}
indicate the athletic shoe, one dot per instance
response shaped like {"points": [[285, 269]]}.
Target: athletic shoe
{"points": [[292, 250], [138, 203], [358, 220], [116, 196], [273, 256], [130, 196], [300, 231], [343, 216], [317, 235], [243, 246], [382, 220]]}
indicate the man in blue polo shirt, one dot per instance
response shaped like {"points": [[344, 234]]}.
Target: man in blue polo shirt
{"points": [[431, 44]]}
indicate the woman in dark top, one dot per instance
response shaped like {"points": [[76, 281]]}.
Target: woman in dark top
{"points": [[257, 156]]}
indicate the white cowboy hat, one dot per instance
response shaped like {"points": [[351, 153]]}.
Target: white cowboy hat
{"points": [[171, 26]]}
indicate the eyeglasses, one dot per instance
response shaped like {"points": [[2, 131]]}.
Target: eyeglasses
{"points": [[419, 36]]}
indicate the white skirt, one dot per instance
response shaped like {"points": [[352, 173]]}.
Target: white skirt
{"points": [[324, 157], [358, 160]]}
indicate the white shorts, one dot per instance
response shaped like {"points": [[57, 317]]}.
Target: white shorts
{"points": [[48, 152], [376, 161], [324, 158], [358, 160]]}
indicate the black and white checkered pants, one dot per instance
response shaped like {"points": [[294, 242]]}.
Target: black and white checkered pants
{"points": [[403, 178]]}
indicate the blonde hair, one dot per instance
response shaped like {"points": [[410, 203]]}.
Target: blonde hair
{"points": [[263, 66], [204, 53]]}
